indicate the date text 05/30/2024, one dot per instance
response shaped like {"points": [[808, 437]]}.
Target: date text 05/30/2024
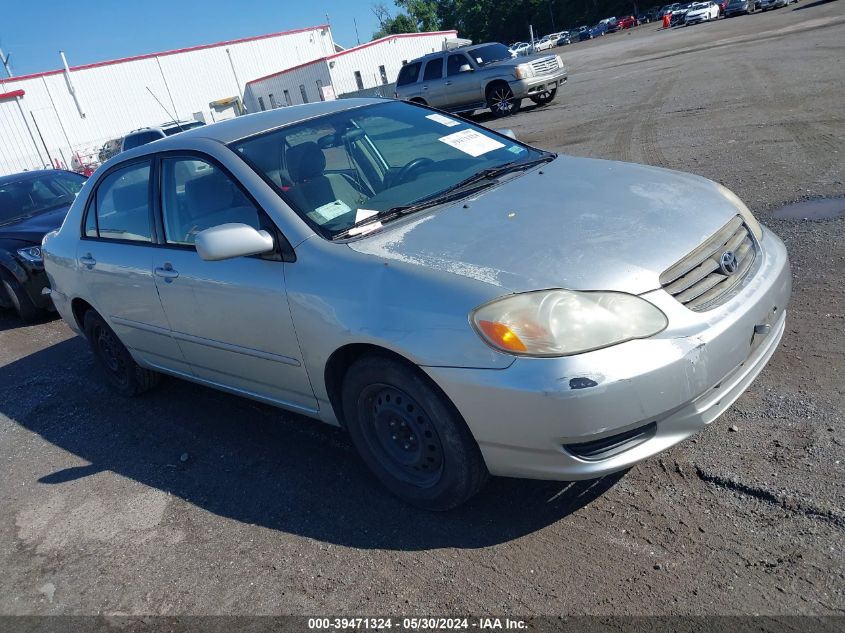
{"points": [[432, 623]]}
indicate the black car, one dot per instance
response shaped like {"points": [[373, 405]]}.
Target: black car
{"points": [[31, 205]]}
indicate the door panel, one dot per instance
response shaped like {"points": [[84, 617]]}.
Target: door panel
{"points": [[231, 317], [463, 87], [119, 274], [433, 84]]}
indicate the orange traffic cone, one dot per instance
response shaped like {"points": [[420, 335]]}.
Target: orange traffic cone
{"points": [[667, 20]]}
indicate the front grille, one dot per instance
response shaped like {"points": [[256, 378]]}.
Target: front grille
{"points": [[697, 281], [545, 65]]}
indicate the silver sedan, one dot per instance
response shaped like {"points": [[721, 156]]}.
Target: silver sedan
{"points": [[465, 305]]}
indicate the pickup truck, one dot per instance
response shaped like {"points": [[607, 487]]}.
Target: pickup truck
{"points": [[480, 76]]}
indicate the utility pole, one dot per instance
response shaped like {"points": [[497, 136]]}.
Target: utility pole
{"points": [[5, 59]]}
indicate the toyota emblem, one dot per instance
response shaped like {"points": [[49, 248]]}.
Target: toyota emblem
{"points": [[728, 263]]}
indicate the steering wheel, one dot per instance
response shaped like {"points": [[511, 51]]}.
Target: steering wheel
{"points": [[406, 171]]}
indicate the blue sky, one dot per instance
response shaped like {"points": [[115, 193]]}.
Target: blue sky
{"points": [[34, 31]]}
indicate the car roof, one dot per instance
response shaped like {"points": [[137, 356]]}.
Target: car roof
{"points": [[26, 175], [251, 124]]}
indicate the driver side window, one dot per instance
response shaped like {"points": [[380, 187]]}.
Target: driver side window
{"points": [[197, 195]]}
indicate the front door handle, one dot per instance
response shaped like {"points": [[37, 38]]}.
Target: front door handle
{"points": [[167, 273], [87, 261]]}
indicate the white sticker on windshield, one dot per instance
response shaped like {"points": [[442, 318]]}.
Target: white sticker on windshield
{"points": [[363, 214], [471, 142], [443, 120], [329, 212]]}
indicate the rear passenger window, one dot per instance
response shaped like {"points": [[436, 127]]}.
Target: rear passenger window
{"points": [[433, 69], [197, 195], [122, 205], [409, 74]]}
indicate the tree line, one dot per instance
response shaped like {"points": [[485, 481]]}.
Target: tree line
{"points": [[497, 20]]}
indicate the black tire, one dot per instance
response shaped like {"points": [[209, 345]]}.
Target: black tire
{"points": [[122, 372], [418, 100], [501, 101], [410, 436], [544, 97], [19, 300]]}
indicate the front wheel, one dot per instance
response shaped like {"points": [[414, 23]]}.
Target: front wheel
{"points": [[544, 97], [501, 101], [410, 436], [123, 373], [19, 300]]}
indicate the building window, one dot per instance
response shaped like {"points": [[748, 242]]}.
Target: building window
{"points": [[303, 93], [261, 104], [358, 80], [287, 98], [383, 74], [273, 103], [320, 90]]}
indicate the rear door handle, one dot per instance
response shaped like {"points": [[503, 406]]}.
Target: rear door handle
{"points": [[167, 273], [88, 261]]}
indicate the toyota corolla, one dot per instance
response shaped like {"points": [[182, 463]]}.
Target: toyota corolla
{"points": [[465, 305]]}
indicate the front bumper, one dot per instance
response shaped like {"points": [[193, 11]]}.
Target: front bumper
{"points": [[526, 88], [674, 384]]}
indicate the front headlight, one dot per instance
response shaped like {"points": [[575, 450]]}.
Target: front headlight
{"points": [[743, 210], [565, 322], [559, 61], [32, 254], [523, 71]]}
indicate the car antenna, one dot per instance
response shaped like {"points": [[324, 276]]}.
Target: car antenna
{"points": [[172, 118]]}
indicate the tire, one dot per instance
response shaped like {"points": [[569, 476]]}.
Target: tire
{"points": [[544, 97], [501, 101], [20, 301], [410, 436], [122, 372], [418, 100]]}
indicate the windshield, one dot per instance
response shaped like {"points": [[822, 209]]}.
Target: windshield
{"points": [[342, 168], [489, 53], [33, 195]]}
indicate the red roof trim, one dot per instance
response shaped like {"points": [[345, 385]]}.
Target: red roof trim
{"points": [[11, 95], [164, 53], [350, 50]]}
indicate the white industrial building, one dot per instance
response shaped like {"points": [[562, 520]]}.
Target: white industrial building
{"points": [[353, 70], [47, 118]]}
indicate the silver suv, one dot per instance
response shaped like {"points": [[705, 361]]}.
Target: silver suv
{"points": [[480, 76]]}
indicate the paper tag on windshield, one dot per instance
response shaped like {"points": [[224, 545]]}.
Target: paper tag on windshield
{"points": [[329, 212], [443, 120], [363, 230], [363, 214], [471, 142]]}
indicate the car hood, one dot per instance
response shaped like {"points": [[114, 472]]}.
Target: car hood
{"points": [[34, 228], [575, 223], [516, 61]]}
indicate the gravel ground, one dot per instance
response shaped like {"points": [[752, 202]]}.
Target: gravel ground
{"points": [[192, 501]]}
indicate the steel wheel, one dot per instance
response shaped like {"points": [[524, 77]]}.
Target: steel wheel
{"points": [[399, 431], [107, 348]]}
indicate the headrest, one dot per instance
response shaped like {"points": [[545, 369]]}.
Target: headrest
{"points": [[210, 193], [305, 161], [130, 196]]}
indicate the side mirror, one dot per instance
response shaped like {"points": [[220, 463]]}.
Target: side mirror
{"points": [[507, 132], [465, 68], [232, 240]]}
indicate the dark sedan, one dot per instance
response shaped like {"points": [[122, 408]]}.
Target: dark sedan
{"points": [[31, 205], [739, 7]]}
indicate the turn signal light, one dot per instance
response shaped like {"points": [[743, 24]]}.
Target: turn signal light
{"points": [[503, 336]]}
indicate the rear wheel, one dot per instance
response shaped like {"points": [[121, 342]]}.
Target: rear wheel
{"points": [[501, 101], [544, 97], [122, 372], [19, 300], [410, 435]]}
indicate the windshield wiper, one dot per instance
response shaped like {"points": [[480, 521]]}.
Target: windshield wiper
{"points": [[480, 180]]}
